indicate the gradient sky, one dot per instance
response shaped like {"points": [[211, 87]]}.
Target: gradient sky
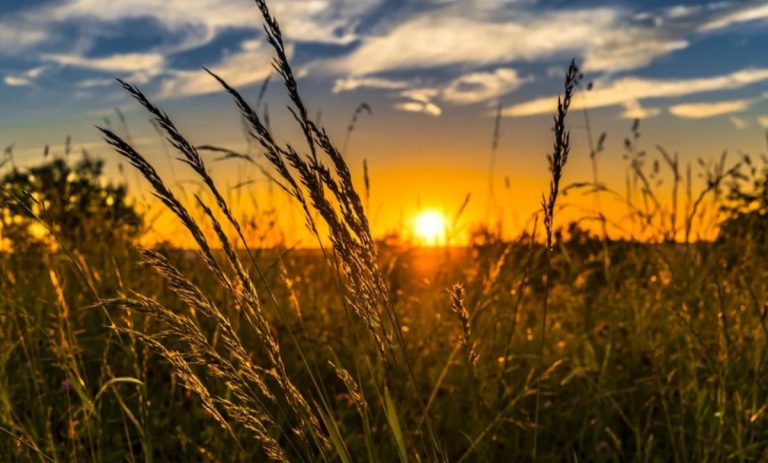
{"points": [[695, 72]]}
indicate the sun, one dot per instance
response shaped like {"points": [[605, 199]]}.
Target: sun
{"points": [[430, 227]]}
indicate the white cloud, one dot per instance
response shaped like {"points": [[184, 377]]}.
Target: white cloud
{"points": [[753, 13], [420, 107], [468, 88], [604, 36], [682, 11], [24, 79], [122, 63], [477, 39], [186, 24], [704, 110], [634, 110], [93, 83], [328, 21], [422, 95], [15, 81], [629, 89], [250, 64], [738, 123], [631, 51], [354, 83], [763, 121], [17, 36], [482, 86], [420, 100], [34, 73]]}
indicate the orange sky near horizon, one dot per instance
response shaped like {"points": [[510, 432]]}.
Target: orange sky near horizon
{"points": [[418, 164]]}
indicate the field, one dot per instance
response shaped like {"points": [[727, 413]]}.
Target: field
{"points": [[562, 344]]}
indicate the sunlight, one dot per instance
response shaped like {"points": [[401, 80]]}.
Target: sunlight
{"points": [[430, 227]]}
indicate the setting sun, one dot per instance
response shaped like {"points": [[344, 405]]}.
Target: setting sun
{"points": [[429, 228]]}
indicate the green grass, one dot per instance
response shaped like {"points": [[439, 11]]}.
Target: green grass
{"points": [[661, 360]]}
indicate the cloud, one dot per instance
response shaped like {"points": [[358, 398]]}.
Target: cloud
{"points": [[326, 21], [15, 81], [185, 26], [354, 83], [24, 79], [469, 88], [738, 123], [704, 110], [630, 51], [475, 45], [605, 36], [633, 110], [482, 86], [250, 64], [763, 121], [628, 89], [420, 107], [753, 13], [17, 36], [121, 63], [421, 95], [420, 101], [682, 11], [93, 83]]}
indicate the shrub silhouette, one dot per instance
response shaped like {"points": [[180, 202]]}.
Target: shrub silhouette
{"points": [[747, 206], [74, 202]]}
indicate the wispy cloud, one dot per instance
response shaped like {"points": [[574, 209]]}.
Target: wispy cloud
{"points": [[425, 107], [326, 21], [186, 26], [468, 88], [738, 123], [16, 81], [751, 13], [23, 79], [252, 63], [626, 90], [121, 63], [634, 110], [462, 51], [606, 37], [354, 83], [18, 36], [704, 110], [420, 100], [482, 86], [94, 83]]}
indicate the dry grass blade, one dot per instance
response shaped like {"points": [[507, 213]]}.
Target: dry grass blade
{"points": [[361, 108], [249, 299], [349, 229], [460, 310], [557, 161], [560, 151]]}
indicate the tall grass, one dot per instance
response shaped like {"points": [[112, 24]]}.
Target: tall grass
{"points": [[371, 351]]}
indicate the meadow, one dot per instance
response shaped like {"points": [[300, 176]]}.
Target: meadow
{"points": [[562, 344]]}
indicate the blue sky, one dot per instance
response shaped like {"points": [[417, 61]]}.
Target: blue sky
{"points": [[426, 56]]}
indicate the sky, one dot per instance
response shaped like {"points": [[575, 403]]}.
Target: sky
{"points": [[434, 73]]}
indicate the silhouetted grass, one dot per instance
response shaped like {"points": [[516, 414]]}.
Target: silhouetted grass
{"points": [[560, 347]]}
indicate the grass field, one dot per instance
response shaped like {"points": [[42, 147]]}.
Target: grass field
{"points": [[559, 345]]}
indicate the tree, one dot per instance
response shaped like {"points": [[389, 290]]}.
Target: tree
{"points": [[747, 205], [72, 201]]}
